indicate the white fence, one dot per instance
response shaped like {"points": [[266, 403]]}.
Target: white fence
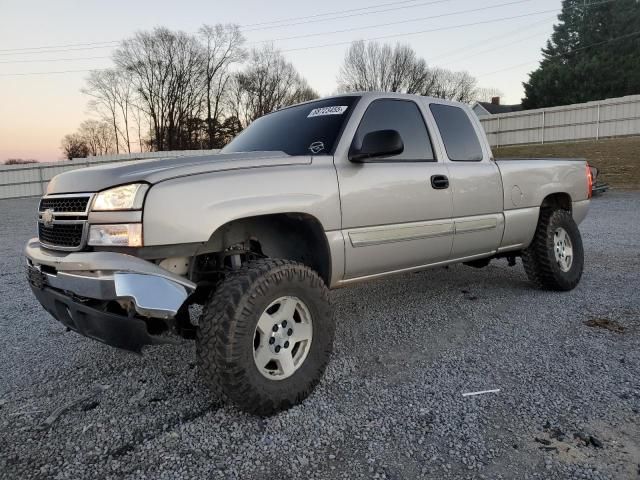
{"points": [[584, 121], [31, 180], [613, 117]]}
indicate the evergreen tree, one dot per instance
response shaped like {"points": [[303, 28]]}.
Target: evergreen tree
{"points": [[593, 54]]}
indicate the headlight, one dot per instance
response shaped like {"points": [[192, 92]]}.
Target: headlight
{"points": [[126, 197], [120, 235]]}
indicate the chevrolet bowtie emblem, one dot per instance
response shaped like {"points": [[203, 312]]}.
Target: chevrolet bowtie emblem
{"points": [[48, 217]]}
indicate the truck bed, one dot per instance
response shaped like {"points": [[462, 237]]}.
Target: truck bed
{"points": [[527, 181]]}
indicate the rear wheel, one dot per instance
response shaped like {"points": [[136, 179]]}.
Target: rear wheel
{"points": [[266, 335], [555, 258]]}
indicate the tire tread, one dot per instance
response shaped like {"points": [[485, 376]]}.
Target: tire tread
{"points": [[220, 332], [539, 262]]}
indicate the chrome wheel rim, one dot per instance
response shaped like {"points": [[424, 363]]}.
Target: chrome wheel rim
{"points": [[282, 338], [562, 249]]}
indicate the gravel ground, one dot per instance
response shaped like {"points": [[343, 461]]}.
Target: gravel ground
{"points": [[390, 406]]}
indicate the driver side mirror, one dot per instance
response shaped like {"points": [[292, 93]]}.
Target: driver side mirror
{"points": [[380, 143]]}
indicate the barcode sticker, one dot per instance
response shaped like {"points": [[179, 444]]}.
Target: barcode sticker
{"points": [[335, 110]]}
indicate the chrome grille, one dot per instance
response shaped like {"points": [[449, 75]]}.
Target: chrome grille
{"points": [[65, 204], [66, 235], [62, 221]]}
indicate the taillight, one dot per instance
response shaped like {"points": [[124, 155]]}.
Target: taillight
{"points": [[589, 181]]}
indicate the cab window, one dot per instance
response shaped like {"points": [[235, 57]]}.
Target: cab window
{"points": [[403, 116], [457, 132]]}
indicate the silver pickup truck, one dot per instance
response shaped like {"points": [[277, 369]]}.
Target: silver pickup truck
{"points": [[312, 197]]}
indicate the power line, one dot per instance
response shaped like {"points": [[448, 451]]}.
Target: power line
{"points": [[327, 13], [437, 29], [55, 51], [57, 46], [44, 73], [107, 44], [342, 16], [492, 49], [327, 33], [335, 12], [562, 54], [350, 41], [383, 37], [481, 75], [395, 23], [430, 61], [53, 60], [489, 40], [324, 33]]}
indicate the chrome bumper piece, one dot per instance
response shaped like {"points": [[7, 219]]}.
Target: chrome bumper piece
{"points": [[153, 291]]}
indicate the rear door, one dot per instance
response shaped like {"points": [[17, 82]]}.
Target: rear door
{"points": [[392, 216], [475, 180]]}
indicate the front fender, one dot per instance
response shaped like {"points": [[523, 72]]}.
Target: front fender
{"points": [[190, 209]]}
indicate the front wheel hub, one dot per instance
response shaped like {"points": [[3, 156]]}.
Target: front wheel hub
{"points": [[282, 338]]}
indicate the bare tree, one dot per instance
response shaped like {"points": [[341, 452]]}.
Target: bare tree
{"points": [[175, 90], [74, 146], [457, 86], [222, 48], [165, 68], [103, 86], [124, 96], [234, 98], [377, 67], [228, 129], [98, 136], [140, 122], [19, 161], [384, 68], [268, 83]]}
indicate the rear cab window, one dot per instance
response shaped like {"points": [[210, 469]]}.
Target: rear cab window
{"points": [[458, 135]]}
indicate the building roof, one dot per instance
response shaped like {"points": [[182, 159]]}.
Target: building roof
{"points": [[494, 109]]}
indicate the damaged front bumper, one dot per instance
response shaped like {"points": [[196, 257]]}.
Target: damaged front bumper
{"points": [[76, 287]]}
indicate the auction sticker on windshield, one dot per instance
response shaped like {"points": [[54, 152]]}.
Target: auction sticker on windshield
{"points": [[335, 110]]}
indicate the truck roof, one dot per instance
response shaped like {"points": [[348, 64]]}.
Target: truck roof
{"points": [[374, 95]]}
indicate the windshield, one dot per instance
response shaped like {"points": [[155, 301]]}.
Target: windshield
{"points": [[308, 129]]}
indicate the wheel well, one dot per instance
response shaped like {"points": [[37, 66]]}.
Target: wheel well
{"points": [[292, 236], [557, 201]]}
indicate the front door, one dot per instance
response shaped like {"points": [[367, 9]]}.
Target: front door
{"points": [[396, 211]]}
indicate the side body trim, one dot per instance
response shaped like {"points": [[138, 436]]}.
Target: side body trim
{"points": [[364, 237], [467, 226], [368, 236]]}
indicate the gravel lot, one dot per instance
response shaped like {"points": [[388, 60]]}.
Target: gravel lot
{"points": [[391, 403]]}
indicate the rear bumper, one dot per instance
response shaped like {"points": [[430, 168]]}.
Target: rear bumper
{"points": [[70, 285]]}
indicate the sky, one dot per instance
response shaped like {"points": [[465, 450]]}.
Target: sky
{"points": [[497, 41]]}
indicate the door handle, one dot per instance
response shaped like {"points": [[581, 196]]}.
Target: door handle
{"points": [[439, 182]]}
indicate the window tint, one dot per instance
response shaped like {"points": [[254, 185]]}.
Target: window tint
{"points": [[308, 129], [404, 117], [459, 137]]}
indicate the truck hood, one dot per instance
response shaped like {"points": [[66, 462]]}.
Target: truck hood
{"points": [[93, 179]]}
